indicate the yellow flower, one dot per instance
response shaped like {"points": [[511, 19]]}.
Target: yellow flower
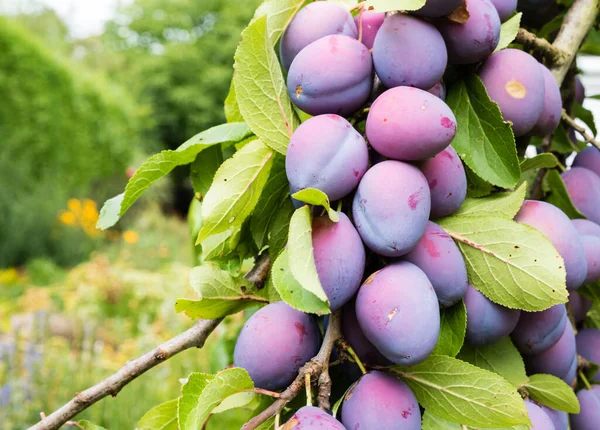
{"points": [[67, 218], [74, 206], [9, 276], [130, 236]]}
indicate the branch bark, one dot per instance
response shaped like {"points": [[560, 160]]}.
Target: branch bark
{"points": [[581, 130], [191, 338], [314, 367], [554, 55]]}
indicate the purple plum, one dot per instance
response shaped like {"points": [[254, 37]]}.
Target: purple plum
{"points": [[588, 158], [439, 90], [559, 360], [391, 207], [551, 113], [586, 227], [538, 417], [438, 8], [368, 24], [583, 187], [588, 417], [579, 306], [505, 8], [588, 346], [560, 419], [538, 331], [352, 332], [312, 418], [591, 246], [410, 124], [579, 90]]}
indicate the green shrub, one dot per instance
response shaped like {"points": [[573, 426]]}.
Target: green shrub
{"points": [[63, 134]]}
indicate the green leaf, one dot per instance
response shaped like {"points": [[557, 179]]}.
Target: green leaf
{"points": [[234, 401], [221, 245], [160, 164], [161, 417], [203, 169], [433, 422], [203, 393], [546, 160], [85, 424], [453, 326], [559, 196], [232, 110], [390, 5], [261, 90], [501, 358], [460, 392], [315, 197], [220, 293], [561, 142], [483, 140], [552, 392], [501, 205], [291, 291], [236, 189], [476, 187], [279, 228], [508, 31], [300, 250], [512, 264], [586, 116], [275, 192], [279, 14]]}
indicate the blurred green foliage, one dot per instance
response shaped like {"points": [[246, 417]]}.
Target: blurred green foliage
{"points": [[64, 134]]}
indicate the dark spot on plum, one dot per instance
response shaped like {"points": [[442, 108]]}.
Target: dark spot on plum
{"points": [[447, 123], [414, 199], [430, 247], [433, 184], [301, 331]]}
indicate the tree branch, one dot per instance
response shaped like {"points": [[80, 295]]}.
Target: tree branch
{"points": [[555, 56], [193, 337], [576, 25], [314, 367], [579, 129]]}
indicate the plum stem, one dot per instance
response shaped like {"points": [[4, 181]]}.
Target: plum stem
{"points": [[579, 129], [308, 389], [343, 344], [585, 380]]}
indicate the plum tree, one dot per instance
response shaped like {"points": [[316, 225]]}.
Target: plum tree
{"points": [[397, 310], [586, 227], [515, 81], [331, 75], [579, 90], [326, 153], [550, 116], [438, 90], [559, 360], [312, 418], [579, 306], [312, 22], [447, 181], [437, 255], [589, 415], [474, 40], [560, 419], [558, 228], [438, 8], [588, 158], [487, 322], [538, 417], [339, 256], [408, 51], [588, 346], [591, 246], [538, 331], [363, 406], [391, 207], [368, 24], [274, 343], [583, 187], [410, 124], [505, 8]]}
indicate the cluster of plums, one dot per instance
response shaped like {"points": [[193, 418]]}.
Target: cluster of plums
{"points": [[410, 175]]}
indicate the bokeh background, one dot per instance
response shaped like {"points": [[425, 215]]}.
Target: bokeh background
{"points": [[89, 89]]}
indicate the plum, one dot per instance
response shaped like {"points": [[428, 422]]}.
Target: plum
{"points": [[398, 311], [312, 418], [579, 90], [474, 40], [274, 343], [586, 227], [588, 346], [447, 181], [551, 113], [583, 187], [438, 90], [314, 21], [591, 246], [437, 255], [559, 360], [588, 158], [326, 153], [538, 331], [487, 322], [339, 257], [410, 124], [558, 228], [505, 8], [410, 52], [438, 8], [538, 417], [368, 24], [352, 332], [515, 81], [380, 401], [391, 208], [331, 75], [589, 415], [579, 306], [560, 419]]}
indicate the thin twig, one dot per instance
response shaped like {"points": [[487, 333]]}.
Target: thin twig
{"points": [[344, 345], [579, 129], [314, 368], [530, 41]]}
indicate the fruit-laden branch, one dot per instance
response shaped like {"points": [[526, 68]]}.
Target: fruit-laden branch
{"points": [[315, 368], [191, 338], [579, 129], [530, 41]]}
